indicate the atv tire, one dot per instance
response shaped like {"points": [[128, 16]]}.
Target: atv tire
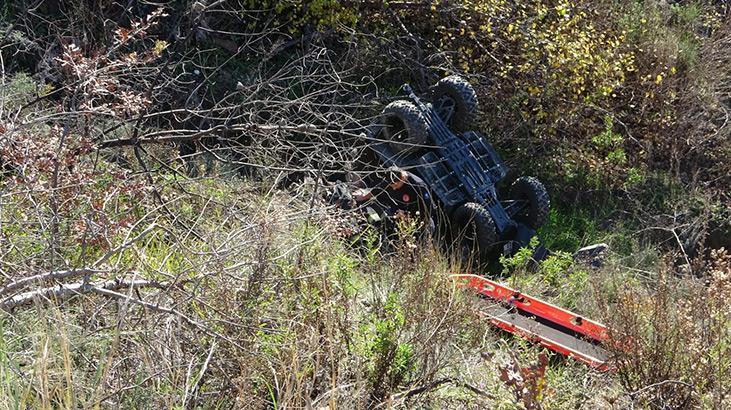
{"points": [[474, 229], [531, 190], [404, 126], [464, 98]]}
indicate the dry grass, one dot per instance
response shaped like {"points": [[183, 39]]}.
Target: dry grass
{"points": [[269, 309], [671, 336]]}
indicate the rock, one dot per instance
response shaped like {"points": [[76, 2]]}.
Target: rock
{"points": [[592, 255]]}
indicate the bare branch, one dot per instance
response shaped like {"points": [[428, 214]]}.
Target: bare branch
{"points": [[69, 290], [57, 275]]}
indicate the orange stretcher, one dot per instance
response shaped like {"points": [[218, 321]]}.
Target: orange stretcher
{"points": [[540, 322]]}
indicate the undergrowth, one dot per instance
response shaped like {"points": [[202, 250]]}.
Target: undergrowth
{"points": [[164, 242]]}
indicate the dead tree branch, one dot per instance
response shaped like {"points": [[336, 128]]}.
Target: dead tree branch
{"points": [[63, 292]]}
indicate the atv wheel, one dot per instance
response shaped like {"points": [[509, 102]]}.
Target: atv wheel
{"points": [[531, 190], [403, 126], [462, 98], [474, 229]]}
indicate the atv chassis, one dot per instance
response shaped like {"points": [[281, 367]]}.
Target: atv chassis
{"points": [[461, 168]]}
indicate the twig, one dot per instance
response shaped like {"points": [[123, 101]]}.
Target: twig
{"points": [[71, 273], [198, 380], [170, 136], [682, 249], [157, 308], [327, 394], [125, 245], [658, 384]]}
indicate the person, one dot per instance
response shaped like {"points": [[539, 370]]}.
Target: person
{"points": [[394, 194], [397, 194], [403, 190]]}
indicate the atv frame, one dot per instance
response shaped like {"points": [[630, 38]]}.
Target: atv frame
{"points": [[459, 168]]}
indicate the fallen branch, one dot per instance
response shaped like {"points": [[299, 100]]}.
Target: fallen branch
{"points": [[73, 273], [168, 136], [62, 274], [109, 289], [63, 292]]}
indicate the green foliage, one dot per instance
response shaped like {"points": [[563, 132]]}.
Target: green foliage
{"points": [[20, 90], [607, 139], [635, 177], [391, 361], [555, 276], [554, 268], [294, 16], [10, 386], [570, 228], [342, 266], [558, 50], [4, 12], [519, 259], [370, 241]]}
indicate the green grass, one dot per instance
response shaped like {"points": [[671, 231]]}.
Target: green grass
{"points": [[570, 229]]}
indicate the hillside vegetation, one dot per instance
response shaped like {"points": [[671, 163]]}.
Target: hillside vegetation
{"points": [[166, 242]]}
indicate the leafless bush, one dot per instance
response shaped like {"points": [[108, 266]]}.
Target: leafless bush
{"points": [[672, 341]]}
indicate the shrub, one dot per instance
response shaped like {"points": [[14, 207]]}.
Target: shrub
{"points": [[672, 342], [296, 16]]}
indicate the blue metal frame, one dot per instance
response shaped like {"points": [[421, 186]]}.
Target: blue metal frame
{"points": [[458, 168]]}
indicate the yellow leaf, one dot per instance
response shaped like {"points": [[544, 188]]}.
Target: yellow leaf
{"points": [[160, 46]]}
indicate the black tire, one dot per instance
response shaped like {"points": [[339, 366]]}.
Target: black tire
{"points": [[531, 190], [464, 98], [404, 126], [474, 229]]}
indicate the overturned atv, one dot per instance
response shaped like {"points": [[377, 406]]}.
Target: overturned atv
{"points": [[461, 169]]}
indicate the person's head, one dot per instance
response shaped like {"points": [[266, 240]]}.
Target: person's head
{"points": [[397, 177]]}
